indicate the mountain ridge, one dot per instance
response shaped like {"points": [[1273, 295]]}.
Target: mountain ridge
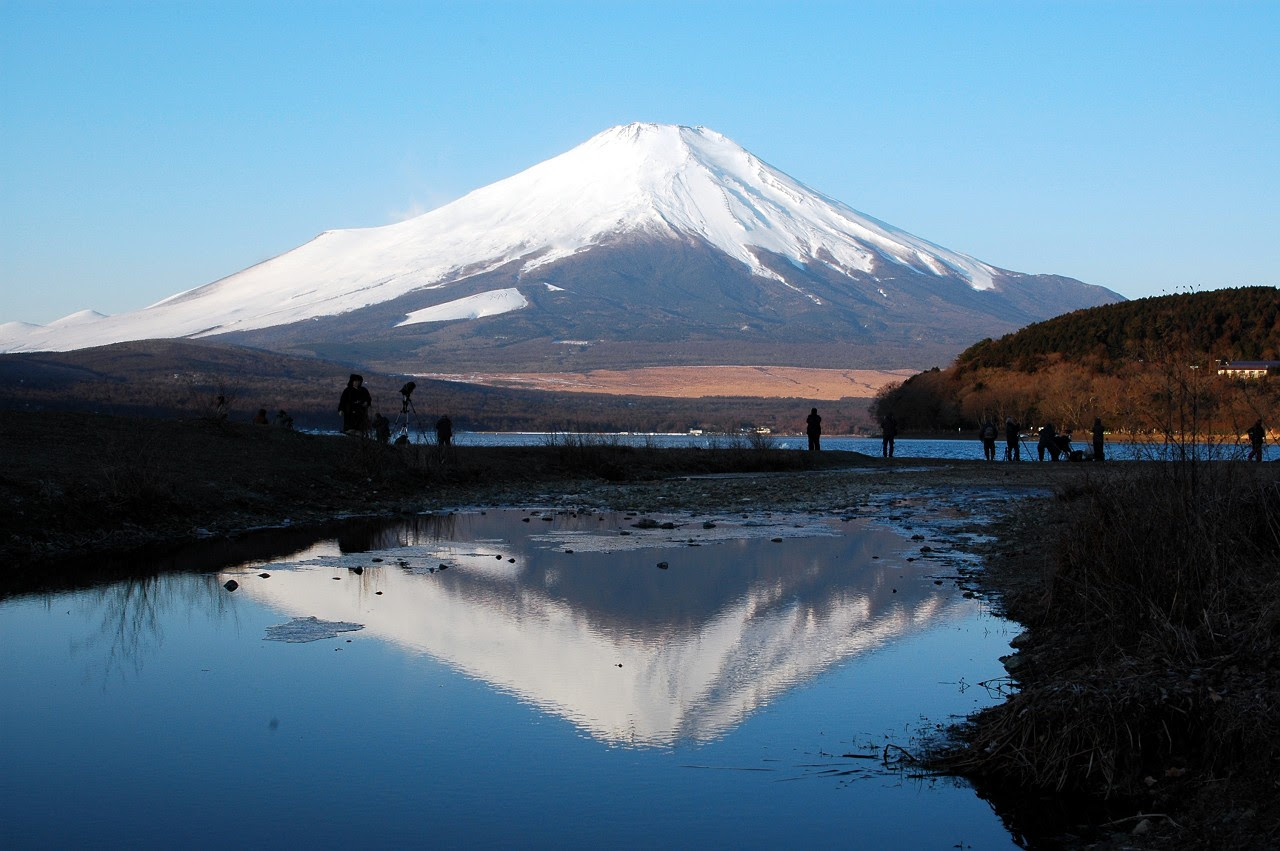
{"points": [[567, 239]]}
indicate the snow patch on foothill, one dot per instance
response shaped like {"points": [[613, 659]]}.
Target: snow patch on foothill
{"points": [[492, 303]]}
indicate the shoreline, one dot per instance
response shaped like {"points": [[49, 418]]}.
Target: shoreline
{"points": [[84, 483]]}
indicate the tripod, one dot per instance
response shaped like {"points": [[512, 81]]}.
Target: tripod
{"points": [[408, 415]]}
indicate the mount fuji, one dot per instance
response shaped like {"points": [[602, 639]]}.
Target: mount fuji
{"points": [[646, 245]]}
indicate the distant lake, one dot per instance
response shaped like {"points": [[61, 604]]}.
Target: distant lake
{"points": [[957, 449], [510, 678]]}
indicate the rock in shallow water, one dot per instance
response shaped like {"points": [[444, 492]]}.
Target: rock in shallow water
{"points": [[302, 630]]}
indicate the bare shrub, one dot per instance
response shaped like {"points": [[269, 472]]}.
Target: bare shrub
{"points": [[1163, 612], [370, 459], [582, 453], [1170, 551], [127, 474]]}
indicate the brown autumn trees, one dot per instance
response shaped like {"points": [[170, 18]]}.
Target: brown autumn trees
{"points": [[1147, 368]]}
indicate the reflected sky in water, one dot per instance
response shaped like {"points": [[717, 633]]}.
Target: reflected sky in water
{"points": [[527, 678]]}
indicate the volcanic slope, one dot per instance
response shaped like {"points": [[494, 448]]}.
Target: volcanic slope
{"points": [[646, 245]]}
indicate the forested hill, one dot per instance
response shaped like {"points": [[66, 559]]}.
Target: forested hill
{"points": [[1231, 324], [1143, 366]]}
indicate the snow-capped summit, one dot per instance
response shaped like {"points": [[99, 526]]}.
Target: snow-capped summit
{"points": [[693, 180], [671, 181], [638, 189]]}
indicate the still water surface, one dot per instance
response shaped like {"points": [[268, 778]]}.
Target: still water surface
{"points": [[905, 448], [506, 678]]}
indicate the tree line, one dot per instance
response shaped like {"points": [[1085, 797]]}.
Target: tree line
{"points": [[1146, 367], [1231, 324]]}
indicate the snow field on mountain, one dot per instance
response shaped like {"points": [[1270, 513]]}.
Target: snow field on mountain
{"points": [[491, 303], [632, 180]]}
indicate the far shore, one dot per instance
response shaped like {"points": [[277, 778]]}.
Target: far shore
{"points": [[82, 483]]}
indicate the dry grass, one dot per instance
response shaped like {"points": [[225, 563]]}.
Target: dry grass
{"points": [[1173, 562], [691, 382], [1151, 674]]}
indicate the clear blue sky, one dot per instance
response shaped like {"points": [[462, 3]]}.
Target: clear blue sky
{"points": [[147, 148]]}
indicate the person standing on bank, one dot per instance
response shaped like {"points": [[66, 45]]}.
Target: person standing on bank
{"points": [[444, 431], [813, 428], [889, 430], [1012, 440], [354, 406], [988, 433], [1048, 442], [1257, 434], [1098, 446]]}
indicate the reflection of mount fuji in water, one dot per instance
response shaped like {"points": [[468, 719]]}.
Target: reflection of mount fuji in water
{"points": [[601, 636]]}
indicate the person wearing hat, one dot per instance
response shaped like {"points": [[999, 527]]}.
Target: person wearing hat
{"points": [[354, 406]]}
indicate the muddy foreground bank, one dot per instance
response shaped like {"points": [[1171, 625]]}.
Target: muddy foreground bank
{"points": [[78, 483], [1179, 706]]}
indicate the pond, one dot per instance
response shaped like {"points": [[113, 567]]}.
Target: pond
{"points": [[500, 678]]}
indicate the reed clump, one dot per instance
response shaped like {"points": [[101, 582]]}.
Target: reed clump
{"points": [[1152, 670]]}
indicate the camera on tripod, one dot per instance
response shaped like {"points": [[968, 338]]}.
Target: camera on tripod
{"points": [[408, 414]]}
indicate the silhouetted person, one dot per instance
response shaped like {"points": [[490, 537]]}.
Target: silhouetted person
{"points": [[284, 420], [382, 429], [1257, 434], [1012, 440], [260, 418], [444, 431], [354, 406], [1048, 442], [988, 433], [1099, 448], [888, 431], [813, 428]]}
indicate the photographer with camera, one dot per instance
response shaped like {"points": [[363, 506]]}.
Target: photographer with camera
{"points": [[354, 406]]}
